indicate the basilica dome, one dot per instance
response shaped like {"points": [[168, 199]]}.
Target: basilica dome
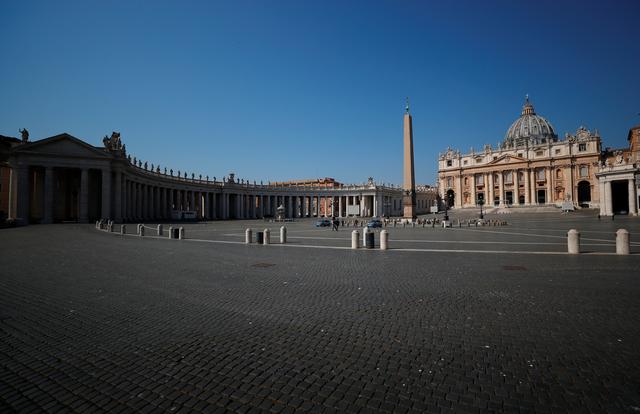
{"points": [[529, 129]]}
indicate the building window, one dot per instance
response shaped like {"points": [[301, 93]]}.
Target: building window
{"points": [[508, 178], [584, 171], [521, 177], [539, 153], [449, 163], [557, 151], [582, 147], [449, 182], [466, 180], [480, 179], [465, 162], [559, 174], [495, 157], [520, 154], [540, 174]]}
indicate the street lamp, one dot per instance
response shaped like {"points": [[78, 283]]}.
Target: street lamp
{"points": [[481, 203]]}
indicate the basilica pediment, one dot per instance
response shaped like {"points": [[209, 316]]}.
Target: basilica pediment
{"points": [[61, 145], [507, 159]]}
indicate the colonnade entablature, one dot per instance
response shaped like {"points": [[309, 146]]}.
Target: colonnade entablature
{"points": [[62, 178]]}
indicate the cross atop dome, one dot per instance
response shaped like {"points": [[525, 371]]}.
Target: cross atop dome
{"points": [[527, 108]]}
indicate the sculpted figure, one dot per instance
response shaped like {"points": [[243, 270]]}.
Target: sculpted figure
{"points": [[25, 134], [171, 171]]}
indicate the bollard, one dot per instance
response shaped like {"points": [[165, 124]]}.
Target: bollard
{"points": [[267, 236], [248, 236], [413, 224], [573, 241], [97, 224], [394, 224], [384, 240], [355, 239], [364, 236], [141, 231], [123, 229], [622, 241], [159, 229], [181, 233], [171, 232], [110, 227], [283, 235]]}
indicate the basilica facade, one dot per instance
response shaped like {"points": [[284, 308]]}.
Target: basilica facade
{"points": [[533, 167]]}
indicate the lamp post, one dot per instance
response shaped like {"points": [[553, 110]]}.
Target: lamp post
{"points": [[481, 203]]}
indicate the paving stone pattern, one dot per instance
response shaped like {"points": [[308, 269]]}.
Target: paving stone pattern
{"points": [[94, 322]]}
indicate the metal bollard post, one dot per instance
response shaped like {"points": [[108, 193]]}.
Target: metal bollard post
{"points": [[267, 236], [622, 241], [355, 239], [160, 229], [123, 229], [573, 241], [181, 233], [283, 235], [384, 240], [141, 231], [248, 236]]}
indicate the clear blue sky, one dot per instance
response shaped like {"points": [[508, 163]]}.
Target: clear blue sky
{"points": [[304, 89]]}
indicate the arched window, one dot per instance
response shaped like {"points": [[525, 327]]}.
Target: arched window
{"points": [[559, 174], [466, 180]]}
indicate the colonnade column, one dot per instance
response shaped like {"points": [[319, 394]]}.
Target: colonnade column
{"points": [[340, 207], [84, 195], [632, 197], [48, 195], [608, 204], [117, 205], [105, 212]]}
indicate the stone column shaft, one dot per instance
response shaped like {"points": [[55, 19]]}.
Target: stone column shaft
{"points": [[84, 195]]}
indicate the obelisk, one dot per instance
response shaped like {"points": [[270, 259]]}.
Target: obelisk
{"points": [[409, 194]]}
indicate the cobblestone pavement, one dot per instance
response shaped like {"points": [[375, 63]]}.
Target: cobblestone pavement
{"points": [[96, 322]]}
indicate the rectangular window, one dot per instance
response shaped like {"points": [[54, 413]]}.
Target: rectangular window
{"points": [[582, 147], [449, 182], [464, 162], [557, 151], [540, 175], [520, 154], [480, 179], [539, 153], [449, 163], [584, 171]]}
